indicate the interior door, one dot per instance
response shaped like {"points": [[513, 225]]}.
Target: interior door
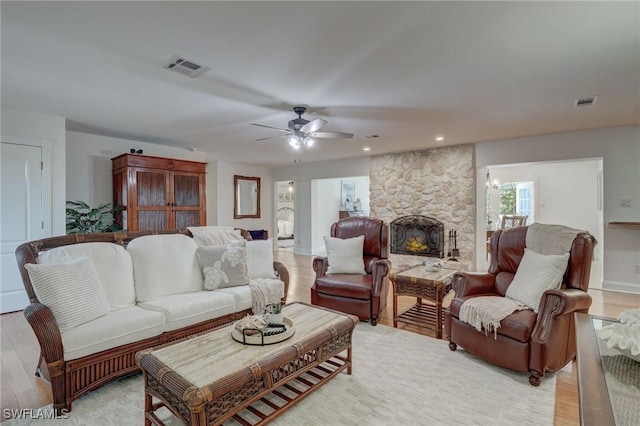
{"points": [[21, 215]]}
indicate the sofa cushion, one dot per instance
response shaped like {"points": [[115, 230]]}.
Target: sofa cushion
{"points": [[224, 266], [164, 265], [241, 295], [260, 259], [126, 325], [536, 274], [214, 235], [72, 291], [186, 309], [111, 262], [345, 255]]}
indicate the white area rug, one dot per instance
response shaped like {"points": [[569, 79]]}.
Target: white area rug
{"points": [[399, 378]]}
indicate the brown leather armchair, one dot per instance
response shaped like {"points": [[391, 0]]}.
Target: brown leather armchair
{"points": [[361, 295], [526, 341]]}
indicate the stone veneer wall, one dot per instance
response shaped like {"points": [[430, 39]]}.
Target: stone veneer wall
{"points": [[439, 183]]}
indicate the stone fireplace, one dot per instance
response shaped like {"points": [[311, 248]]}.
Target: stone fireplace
{"points": [[417, 235], [437, 182]]}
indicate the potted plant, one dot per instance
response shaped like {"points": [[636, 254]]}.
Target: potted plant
{"points": [[82, 219], [274, 313]]}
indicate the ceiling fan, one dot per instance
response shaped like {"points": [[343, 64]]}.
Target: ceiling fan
{"points": [[303, 132]]}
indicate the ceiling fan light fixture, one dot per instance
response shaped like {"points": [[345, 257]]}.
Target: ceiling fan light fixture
{"points": [[308, 142], [294, 142]]}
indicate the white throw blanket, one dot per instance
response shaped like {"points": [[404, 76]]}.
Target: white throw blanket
{"points": [[214, 235], [265, 291], [486, 312], [550, 239]]}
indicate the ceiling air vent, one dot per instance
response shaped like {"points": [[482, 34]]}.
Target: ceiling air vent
{"points": [[580, 102], [184, 66]]}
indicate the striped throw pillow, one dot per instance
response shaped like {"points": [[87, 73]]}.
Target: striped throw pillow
{"points": [[72, 291], [536, 274]]}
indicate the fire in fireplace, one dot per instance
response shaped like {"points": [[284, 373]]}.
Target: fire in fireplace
{"points": [[417, 235]]}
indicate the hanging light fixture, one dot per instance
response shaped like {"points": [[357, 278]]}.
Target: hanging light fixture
{"points": [[492, 184]]}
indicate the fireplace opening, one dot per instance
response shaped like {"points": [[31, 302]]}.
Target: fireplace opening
{"points": [[417, 235]]}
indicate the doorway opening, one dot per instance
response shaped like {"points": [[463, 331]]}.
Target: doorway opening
{"points": [[285, 215]]}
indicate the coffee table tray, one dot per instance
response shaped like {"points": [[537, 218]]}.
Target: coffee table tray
{"points": [[262, 337]]}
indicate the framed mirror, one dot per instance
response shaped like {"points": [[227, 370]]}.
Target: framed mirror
{"points": [[246, 200]]}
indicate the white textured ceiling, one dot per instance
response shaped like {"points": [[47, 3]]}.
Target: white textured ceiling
{"points": [[406, 71]]}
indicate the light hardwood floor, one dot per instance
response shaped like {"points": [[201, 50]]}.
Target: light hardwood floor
{"points": [[19, 388]]}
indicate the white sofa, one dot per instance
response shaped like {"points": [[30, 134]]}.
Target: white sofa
{"points": [[149, 291]]}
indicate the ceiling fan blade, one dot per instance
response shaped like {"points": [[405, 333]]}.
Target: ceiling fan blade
{"points": [[313, 125], [271, 137], [331, 135], [273, 128]]}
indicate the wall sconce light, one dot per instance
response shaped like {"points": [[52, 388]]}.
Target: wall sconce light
{"points": [[290, 186], [492, 183]]}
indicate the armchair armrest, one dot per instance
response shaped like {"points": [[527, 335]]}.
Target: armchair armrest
{"points": [[379, 272], [46, 329], [470, 283], [553, 337], [283, 273], [320, 265]]}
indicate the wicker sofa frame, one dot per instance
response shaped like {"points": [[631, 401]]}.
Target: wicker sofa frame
{"points": [[71, 379]]}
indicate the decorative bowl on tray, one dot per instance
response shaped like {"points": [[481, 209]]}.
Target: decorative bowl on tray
{"points": [[261, 335]]}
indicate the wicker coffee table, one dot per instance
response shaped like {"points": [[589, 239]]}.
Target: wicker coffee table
{"points": [[211, 378]]}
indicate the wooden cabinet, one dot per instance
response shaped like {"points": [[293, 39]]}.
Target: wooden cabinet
{"points": [[158, 193]]}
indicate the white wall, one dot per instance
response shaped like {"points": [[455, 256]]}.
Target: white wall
{"points": [[88, 160], [303, 174], [619, 148], [225, 194], [326, 202], [29, 125]]}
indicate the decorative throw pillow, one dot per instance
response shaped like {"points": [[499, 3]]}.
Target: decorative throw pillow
{"points": [[345, 255], [536, 274], [260, 259], [224, 266], [72, 291]]}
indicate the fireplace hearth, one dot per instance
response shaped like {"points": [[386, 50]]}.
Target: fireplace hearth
{"points": [[417, 235]]}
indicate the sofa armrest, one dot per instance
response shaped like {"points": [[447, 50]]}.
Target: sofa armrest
{"points": [[283, 274], [379, 273], [46, 329], [320, 265], [470, 283]]}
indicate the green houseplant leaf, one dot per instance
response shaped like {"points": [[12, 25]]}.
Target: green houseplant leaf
{"points": [[83, 219]]}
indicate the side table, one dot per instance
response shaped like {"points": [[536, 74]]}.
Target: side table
{"points": [[421, 284]]}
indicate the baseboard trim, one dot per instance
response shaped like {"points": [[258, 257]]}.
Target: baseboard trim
{"points": [[621, 287]]}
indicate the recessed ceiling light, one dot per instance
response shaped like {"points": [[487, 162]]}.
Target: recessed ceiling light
{"points": [[439, 138], [366, 148]]}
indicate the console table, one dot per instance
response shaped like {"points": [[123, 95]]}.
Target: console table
{"points": [[608, 382]]}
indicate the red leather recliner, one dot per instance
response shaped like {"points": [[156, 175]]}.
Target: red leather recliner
{"points": [[361, 295], [526, 341]]}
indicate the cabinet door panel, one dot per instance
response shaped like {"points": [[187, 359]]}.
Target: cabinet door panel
{"points": [[186, 190], [187, 218], [152, 188], [150, 220]]}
